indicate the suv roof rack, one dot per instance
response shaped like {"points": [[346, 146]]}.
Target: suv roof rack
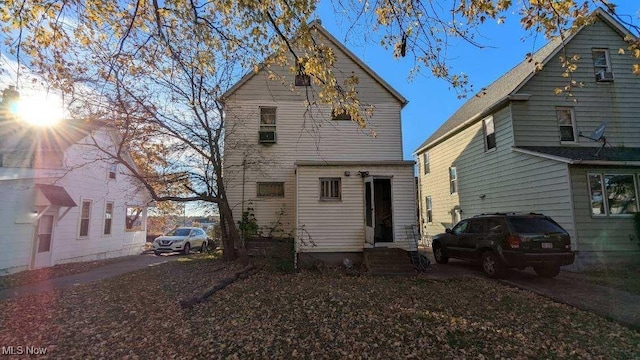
{"points": [[508, 214]]}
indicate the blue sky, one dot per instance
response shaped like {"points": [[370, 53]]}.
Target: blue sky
{"points": [[431, 101]]}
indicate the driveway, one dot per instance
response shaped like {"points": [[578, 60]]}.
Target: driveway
{"points": [[133, 263], [568, 288]]}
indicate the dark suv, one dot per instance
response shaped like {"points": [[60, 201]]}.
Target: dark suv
{"points": [[500, 241]]}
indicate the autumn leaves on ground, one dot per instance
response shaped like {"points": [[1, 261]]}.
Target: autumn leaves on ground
{"points": [[305, 315]]}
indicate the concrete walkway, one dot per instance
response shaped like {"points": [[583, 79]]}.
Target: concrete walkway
{"points": [[133, 263], [568, 288]]}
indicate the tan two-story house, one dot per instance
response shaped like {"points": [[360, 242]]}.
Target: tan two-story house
{"points": [[520, 147], [308, 173]]}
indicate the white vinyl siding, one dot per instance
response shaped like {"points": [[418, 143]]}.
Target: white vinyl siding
{"points": [[346, 217], [535, 122]]}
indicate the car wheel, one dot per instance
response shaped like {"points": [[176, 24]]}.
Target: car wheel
{"points": [[548, 271], [203, 248], [158, 253], [492, 265], [439, 255], [187, 249]]}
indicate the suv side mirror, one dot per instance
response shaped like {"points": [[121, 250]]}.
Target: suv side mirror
{"points": [[448, 231]]}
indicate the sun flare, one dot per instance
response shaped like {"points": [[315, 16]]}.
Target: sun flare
{"points": [[40, 110]]}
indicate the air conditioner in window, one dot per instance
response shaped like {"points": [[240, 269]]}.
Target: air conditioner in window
{"points": [[604, 76], [267, 137]]}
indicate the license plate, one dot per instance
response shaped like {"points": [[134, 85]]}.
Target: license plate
{"points": [[547, 245]]}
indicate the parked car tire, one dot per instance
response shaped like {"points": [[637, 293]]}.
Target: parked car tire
{"points": [[547, 271], [203, 248], [439, 255], [157, 253], [187, 249], [492, 265]]}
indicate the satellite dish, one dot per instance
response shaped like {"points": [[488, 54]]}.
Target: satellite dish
{"points": [[598, 136], [598, 133]]}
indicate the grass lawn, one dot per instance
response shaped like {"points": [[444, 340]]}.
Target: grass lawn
{"points": [[306, 315], [625, 278]]}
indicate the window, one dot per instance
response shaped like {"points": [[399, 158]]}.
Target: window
{"points": [[133, 219], [340, 114], [461, 228], [85, 218], [113, 168], [476, 226], [1, 160], [330, 188], [429, 210], [302, 80], [267, 125], [270, 189], [453, 180], [600, 60], [489, 134], [566, 124], [612, 195], [108, 218], [425, 162]]}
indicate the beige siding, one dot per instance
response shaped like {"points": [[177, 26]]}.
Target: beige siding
{"points": [[535, 121], [261, 88], [601, 234], [300, 136], [509, 181], [338, 226]]}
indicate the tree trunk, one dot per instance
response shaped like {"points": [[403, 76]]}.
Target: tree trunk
{"points": [[233, 240]]}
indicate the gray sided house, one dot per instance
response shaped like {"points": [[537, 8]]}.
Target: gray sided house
{"points": [[521, 148], [317, 177]]}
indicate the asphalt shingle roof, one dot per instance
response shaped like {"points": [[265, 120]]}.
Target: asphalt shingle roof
{"points": [[495, 92]]}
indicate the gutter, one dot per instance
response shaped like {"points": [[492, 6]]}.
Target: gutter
{"points": [[575, 161]]}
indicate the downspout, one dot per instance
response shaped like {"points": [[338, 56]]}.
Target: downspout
{"points": [[244, 170], [295, 238]]}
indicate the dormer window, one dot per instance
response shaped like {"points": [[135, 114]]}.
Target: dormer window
{"points": [[303, 80]]}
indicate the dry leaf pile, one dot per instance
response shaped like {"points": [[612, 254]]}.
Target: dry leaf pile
{"points": [[306, 315]]}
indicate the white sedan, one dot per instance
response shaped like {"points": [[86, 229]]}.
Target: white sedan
{"points": [[181, 239]]}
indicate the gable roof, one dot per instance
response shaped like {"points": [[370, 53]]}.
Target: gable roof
{"points": [[316, 24], [500, 91]]}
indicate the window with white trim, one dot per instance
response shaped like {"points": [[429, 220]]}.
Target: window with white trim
{"points": [[600, 60], [85, 218], [613, 194], [134, 219], [267, 119], [453, 180], [270, 189], [425, 162], [113, 168], [429, 210], [108, 218], [330, 188], [489, 134], [566, 124]]}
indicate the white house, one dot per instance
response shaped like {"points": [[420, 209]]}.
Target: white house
{"points": [[315, 176], [61, 201], [521, 148]]}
